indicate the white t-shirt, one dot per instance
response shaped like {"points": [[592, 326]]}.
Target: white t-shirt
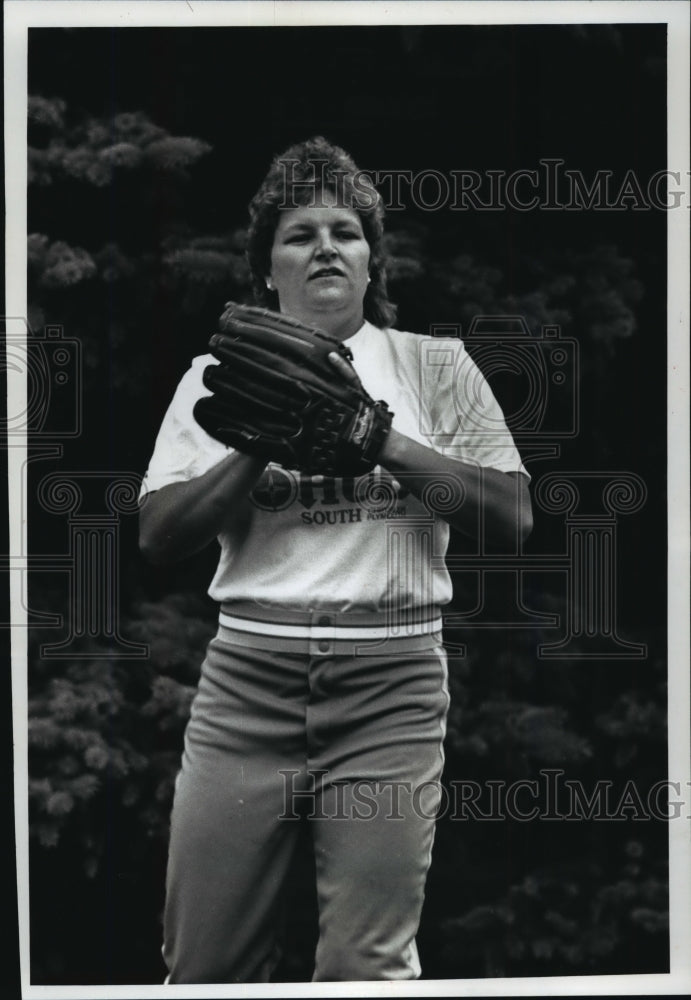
{"points": [[341, 544]]}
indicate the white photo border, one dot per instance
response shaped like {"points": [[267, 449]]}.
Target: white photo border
{"points": [[19, 16]]}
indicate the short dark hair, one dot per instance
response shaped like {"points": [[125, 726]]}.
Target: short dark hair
{"points": [[297, 177]]}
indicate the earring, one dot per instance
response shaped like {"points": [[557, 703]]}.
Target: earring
{"points": [[368, 279], [269, 284]]}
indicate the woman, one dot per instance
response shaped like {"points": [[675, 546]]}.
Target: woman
{"points": [[324, 692]]}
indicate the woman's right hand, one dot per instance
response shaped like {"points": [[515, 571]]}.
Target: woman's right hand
{"points": [[180, 519]]}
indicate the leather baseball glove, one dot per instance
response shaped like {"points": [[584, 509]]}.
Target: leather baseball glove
{"points": [[277, 395]]}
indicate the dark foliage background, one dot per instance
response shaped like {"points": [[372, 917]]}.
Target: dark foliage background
{"points": [[144, 149]]}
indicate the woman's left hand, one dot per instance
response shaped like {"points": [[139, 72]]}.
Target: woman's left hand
{"points": [[493, 505]]}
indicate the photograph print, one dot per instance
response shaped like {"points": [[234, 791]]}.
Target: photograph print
{"points": [[344, 461]]}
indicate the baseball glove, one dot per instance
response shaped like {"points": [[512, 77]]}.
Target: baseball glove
{"points": [[277, 395]]}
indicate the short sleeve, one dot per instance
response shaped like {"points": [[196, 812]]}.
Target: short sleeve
{"points": [[467, 421], [183, 450]]}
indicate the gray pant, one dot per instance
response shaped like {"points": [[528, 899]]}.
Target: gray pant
{"points": [[354, 741]]}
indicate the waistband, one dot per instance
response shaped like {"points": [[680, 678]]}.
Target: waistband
{"points": [[323, 632]]}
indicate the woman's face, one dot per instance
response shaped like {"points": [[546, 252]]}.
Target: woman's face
{"points": [[319, 263]]}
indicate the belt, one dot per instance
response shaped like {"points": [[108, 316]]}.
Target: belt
{"points": [[321, 629]]}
